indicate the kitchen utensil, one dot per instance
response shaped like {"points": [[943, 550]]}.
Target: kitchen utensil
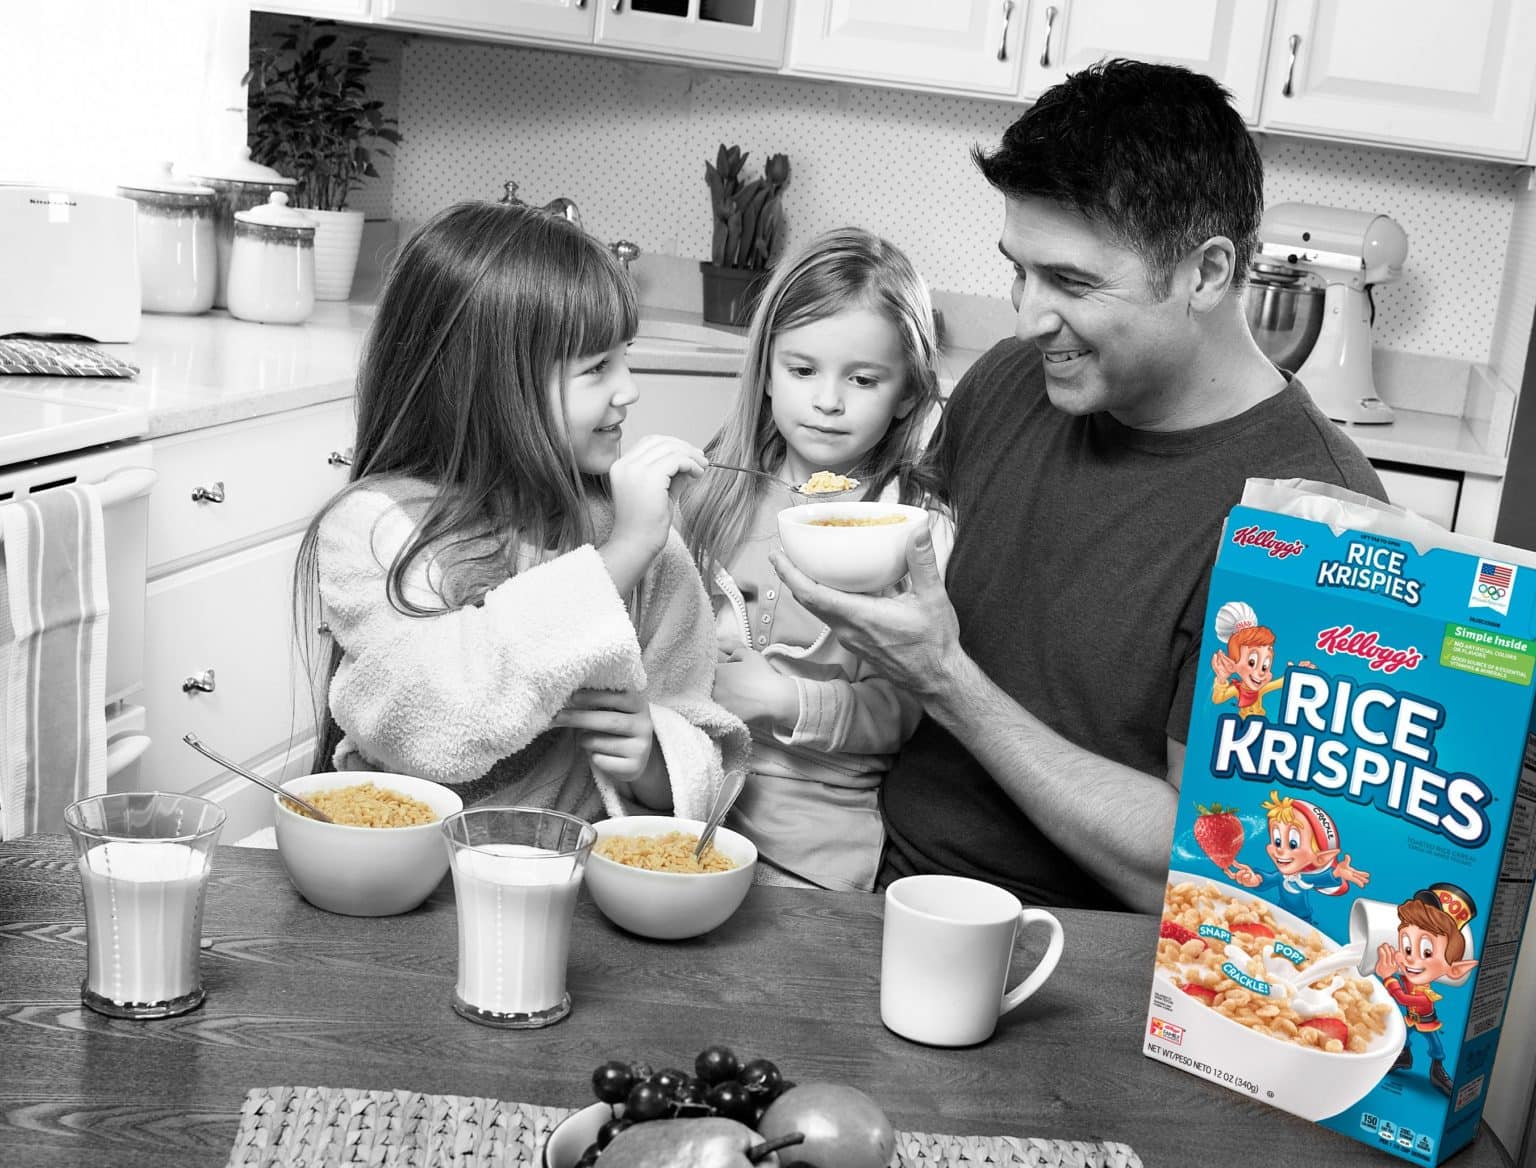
{"points": [[178, 251], [797, 488], [1349, 252], [725, 797], [71, 265], [239, 185], [196, 744], [272, 264], [1284, 309]]}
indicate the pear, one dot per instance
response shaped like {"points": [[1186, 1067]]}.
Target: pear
{"points": [[710, 1142]]}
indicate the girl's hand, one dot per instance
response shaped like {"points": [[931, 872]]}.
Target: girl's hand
{"points": [[643, 482], [613, 728], [753, 690]]}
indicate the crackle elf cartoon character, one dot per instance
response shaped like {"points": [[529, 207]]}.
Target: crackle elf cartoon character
{"points": [[1304, 845], [1432, 946], [1246, 670]]}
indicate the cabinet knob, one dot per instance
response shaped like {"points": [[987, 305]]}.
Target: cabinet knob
{"points": [[213, 494], [199, 682], [339, 457]]}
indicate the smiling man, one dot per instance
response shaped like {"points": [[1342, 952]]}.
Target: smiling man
{"points": [[1091, 460]]}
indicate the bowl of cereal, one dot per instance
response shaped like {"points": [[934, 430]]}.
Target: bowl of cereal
{"points": [[1274, 1006], [855, 547], [643, 877], [383, 855]]}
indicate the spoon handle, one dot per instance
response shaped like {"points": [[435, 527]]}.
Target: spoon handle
{"points": [[196, 744], [724, 799]]}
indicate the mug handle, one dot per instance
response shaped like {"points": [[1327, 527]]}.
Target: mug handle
{"points": [[1047, 966]]}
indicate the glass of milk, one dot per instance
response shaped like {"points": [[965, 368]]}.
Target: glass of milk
{"points": [[516, 871], [143, 859]]}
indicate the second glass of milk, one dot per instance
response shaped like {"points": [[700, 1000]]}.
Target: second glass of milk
{"points": [[516, 871], [144, 861]]}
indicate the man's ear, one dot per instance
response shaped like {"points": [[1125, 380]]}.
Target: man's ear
{"points": [[1212, 267]]}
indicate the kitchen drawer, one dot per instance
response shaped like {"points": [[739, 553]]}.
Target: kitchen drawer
{"points": [[231, 616], [267, 474], [1434, 494]]}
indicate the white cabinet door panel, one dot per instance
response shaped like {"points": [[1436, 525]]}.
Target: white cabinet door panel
{"points": [[743, 32], [564, 20], [687, 407]]}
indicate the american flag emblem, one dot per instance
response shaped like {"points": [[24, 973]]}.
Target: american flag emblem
{"points": [[1491, 573]]}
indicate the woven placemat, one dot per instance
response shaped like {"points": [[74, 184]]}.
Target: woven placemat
{"points": [[311, 1127]]}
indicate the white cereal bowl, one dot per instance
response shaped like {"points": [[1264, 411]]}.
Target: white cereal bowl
{"points": [[668, 905], [862, 558], [1311, 1083], [364, 871]]}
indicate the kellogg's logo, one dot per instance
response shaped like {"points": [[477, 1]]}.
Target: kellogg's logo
{"points": [[1253, 536], [1345, 639]]}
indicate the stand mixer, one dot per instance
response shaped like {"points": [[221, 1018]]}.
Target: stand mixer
{"points": [[1347, 252]]}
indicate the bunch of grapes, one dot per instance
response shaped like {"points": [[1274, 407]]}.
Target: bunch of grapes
{"points": [[720, 1084]]}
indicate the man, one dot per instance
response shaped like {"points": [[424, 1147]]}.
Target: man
{"points": [[1091, 461]]}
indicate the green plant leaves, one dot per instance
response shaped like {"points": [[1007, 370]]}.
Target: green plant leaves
{"points": [[747, 219]]}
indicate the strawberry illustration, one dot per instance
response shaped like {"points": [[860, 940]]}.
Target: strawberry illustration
{"points": [[1177, 932], [1329, 1028], [1200, 992], [1219, 833], [1255, 929]]}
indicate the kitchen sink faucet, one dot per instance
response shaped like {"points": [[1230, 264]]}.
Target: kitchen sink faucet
{"points": [[624, 251]]}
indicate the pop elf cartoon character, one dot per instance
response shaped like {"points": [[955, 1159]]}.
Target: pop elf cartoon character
{"points": [[1246, 670], [1431, 946], [1304, 844]]}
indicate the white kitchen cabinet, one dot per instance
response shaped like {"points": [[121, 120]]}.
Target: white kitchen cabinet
{"points": [[1225, 39], [1432, 494], [356, 11], [1415, 73], [691, 406], [220, 658], [748, 33], [965, 46]]}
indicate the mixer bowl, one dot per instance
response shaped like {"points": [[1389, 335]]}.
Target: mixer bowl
{"points": [[1284, 317]]}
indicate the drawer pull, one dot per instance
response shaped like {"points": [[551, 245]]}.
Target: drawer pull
{"points": [[199, 683], [1050, 22], [1288, 88], [339, 457], [1002, 48], [213, 494]]}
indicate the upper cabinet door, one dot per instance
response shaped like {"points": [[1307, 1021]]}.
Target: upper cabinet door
{"points": [[965, 46], [740, 32], [1419, 73], [1223, 38], [559, 20]]}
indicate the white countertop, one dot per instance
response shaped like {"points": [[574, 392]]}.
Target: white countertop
{"points": [[199, 371]]}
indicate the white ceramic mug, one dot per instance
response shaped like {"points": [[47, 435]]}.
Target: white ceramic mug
{"points": [[944, 961]]}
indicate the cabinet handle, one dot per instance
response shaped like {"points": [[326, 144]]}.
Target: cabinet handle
{"points": [[199, 682], [213, 494], [618, 5], [580, 4], [1050, 20], [1002, 45], [1290, 70], [339, 457]]}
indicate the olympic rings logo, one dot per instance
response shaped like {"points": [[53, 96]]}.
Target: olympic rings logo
{"points": [[1491, 591]]}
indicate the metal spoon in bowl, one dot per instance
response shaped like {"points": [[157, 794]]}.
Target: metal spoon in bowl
{"points": [[724, 798], [196, 744], [796, 488]]}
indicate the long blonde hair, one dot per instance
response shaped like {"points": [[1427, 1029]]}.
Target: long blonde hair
{"points": [[841, 269]]}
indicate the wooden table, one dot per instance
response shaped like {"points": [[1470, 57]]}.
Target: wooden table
{"points": [[298, 997]]}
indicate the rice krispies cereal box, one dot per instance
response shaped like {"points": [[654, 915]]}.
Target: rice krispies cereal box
{"points": [[1353, 855]]}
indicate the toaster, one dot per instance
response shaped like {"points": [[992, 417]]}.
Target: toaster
{"points": [[69, 264]]}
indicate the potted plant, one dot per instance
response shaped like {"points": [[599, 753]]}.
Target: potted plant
{"points": [[748, 232], [309, 117]]}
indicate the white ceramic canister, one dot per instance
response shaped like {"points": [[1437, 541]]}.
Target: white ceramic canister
{"points": [[178, 256], [238, 184], [272, 264]]}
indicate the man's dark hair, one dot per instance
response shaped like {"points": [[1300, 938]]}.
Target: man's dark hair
{"points": [[1155, 153]]}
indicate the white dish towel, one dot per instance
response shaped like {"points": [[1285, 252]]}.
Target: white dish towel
{"points": [[53, 657]]}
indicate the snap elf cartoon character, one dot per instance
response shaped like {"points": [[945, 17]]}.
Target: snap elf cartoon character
{"points": [[1304, 845], [1431, 946], [1246, 670]]}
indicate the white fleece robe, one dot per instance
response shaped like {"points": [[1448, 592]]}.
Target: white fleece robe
{"points": [[462, 696]]}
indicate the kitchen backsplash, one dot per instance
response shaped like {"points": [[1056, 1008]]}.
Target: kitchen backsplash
{"points": [[628, 141]]}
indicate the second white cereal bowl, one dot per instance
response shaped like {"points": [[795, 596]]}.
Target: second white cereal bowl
{"points": [[855, 547], [364, 871], [1312, 1083], [668, 905]]}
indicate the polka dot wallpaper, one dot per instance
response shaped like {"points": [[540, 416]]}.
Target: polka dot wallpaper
{"points": [[628, 142]]}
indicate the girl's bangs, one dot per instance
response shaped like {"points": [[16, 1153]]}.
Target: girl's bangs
{"points": [[603, 311]]}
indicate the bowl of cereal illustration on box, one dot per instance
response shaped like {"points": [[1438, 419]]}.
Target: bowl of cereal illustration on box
{"points": [[1257, 999]]}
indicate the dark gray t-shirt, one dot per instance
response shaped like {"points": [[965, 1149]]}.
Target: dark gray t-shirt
{"points": [[1079, 575]]}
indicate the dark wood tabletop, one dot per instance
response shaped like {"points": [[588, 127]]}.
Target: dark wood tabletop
{"points": [[300, 997]]}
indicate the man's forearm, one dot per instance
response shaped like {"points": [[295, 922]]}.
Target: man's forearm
{"points": [[1115, 821]]}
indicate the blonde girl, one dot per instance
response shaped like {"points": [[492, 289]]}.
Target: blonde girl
{"points": [[839, 376], [510, 611]]}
